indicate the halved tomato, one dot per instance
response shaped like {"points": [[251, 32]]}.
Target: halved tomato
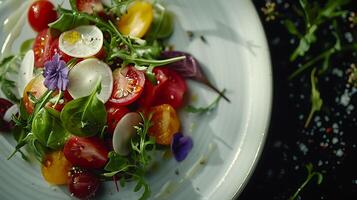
{"points": [[37, 89], [128, 86], [41, 47], [55, 168], [86, 152], [170, 89], [137, 21], [165, 123]]}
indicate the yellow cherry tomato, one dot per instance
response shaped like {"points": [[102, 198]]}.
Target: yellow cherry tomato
{"points": [[165, 123], [55, 168], [136, 22], [36, 88]]}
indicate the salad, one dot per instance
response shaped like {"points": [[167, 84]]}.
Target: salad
{"points": [[97, 92]]}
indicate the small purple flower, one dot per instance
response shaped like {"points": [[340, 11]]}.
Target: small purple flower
{"points": [[180, 146], [56, 74]]}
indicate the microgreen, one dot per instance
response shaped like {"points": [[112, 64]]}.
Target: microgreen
{"points": [[8, 66], [206, 109], [310, 174], [138, 160], [316, 101]]}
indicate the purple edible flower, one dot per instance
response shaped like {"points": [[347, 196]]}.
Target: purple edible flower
{"points": [[180, 146], [56, 74]]}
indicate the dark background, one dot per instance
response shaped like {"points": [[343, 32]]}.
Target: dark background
{"points": [[329, 143]]}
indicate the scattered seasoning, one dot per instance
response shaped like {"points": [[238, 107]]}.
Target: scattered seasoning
{"points": [[203, 39], [190, 34]]}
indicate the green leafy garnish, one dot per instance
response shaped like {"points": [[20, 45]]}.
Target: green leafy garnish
{"points": [[134, 165], [48, 129], [316, 101], [208, 108], [7, 85], [85, 116], [310, 174], [314, 16], [26, 46]]}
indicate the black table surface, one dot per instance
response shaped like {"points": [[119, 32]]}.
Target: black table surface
{"points": [[328, 143]]}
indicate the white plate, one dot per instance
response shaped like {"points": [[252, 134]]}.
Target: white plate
{"points": [[229, 140]]}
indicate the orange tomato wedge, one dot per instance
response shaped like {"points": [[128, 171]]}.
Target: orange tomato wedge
{"points": [[137, 21], [165, 123], [55, 168]]}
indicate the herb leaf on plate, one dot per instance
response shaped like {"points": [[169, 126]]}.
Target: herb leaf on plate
{"points": [[85, 116]]}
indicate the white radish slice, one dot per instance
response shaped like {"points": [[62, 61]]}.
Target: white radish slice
{"points": [[81, 42], [84, 76], [124, 131], [13, 110], [25, 74]]}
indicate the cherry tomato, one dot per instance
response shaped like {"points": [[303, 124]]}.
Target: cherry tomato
{"points": [[90, 6], [82, 184], [128, 86], [114, 114], [37, 89], [136, 22], [40, 14], [165, 123], [41, 47], [170, 89], [55, 168], [86, 152], [55, 49], [4, 105]]}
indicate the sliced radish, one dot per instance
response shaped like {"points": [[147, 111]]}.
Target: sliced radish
{"points": [[25, 74], [84, 76], [13, 110], [81, 42], [124, 131]]}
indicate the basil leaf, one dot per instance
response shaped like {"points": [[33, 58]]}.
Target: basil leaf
{"points": [[26, 46], [85, 116], [48, 130], [68, 21]]}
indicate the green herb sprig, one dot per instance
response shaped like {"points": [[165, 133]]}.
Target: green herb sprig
{"points": [[310, 174], [135, 164], [202, 110]]}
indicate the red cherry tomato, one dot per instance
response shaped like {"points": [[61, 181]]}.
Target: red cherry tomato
{"points": [[82, 184], [86, 152], [55, 49], [90, 6], [128, 86], [115, 113], [170, 89], [41, 47], [40, 14], [4, 105]]}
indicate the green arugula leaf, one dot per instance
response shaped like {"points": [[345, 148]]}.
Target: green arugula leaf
{"points": [[316, 100], [85, 116], [8, 86], [208, 108]]}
